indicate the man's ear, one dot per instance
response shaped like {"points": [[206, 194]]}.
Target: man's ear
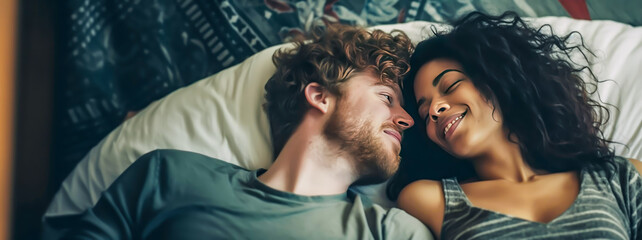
{"points": [[318, 97]]}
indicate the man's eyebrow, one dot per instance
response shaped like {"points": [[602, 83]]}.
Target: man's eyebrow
{"points": [[438, 78]]}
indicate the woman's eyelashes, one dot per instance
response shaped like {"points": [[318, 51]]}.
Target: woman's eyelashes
{"points": [[451, 87]]}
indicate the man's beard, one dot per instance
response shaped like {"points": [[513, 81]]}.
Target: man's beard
{"points": [[372, 162]]}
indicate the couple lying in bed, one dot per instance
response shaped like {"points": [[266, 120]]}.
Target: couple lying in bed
{"points": [[498, 106]]}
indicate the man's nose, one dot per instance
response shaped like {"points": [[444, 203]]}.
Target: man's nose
{"points": [[404, 120]]}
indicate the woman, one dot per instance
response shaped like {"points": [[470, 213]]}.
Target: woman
{"points": [[503, 116]]}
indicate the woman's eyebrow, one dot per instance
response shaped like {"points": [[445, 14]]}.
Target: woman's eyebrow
{"points": [[438, 78]]}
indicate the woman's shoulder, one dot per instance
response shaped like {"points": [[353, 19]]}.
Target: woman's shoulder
{"points": [[627, 169], [421, 194], [637, 164], [424, 199], [620, 173], [421, 188], [617, 166]]}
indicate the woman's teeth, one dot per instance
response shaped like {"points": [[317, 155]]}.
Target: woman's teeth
{"points": [[450, 124]]}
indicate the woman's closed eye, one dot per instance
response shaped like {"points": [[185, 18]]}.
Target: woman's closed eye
{"points": [[452, 86]]}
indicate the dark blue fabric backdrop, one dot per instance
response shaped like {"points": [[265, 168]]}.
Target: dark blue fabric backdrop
{"points": [[120, 55]]}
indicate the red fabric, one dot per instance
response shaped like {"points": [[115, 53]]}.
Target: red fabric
{"points": [[576, 8], [327, 10], [278, 6]]}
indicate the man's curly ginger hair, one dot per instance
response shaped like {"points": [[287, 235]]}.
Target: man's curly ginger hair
{"points": [[330, 59]]}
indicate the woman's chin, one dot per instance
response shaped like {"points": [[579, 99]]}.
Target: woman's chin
{"points": [[462, 151]]}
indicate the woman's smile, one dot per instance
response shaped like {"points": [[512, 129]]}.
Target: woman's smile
{"points": [[448, 125]]}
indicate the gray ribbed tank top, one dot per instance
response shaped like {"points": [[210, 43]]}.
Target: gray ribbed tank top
{"points": [[608, 206]]}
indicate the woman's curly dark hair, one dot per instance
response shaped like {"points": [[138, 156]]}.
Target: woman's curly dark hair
{"points": [[330, 58], [532, 78]]}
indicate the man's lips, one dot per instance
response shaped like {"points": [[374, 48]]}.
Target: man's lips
{"points": [[393, 133]]}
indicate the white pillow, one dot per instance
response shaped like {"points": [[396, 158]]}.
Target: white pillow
{"points": [[221, 116], [618, 49]]}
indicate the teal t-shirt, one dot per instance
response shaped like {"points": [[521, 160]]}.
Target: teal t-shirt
{"points": [[170, 194]]}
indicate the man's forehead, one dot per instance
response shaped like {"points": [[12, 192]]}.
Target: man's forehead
{"points": [[389, 83], [373, 79], [376, 79]]}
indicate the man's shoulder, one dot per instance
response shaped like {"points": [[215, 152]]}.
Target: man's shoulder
{"points": [[182, 158], [399, 223], [189, 175], [395, 223], [171, 162]]}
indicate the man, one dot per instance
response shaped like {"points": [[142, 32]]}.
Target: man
{"points": [[336, 120]]}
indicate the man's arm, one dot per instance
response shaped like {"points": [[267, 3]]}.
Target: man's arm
{"points": [[116, 214]]}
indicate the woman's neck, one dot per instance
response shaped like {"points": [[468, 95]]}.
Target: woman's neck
{"points": [[504, 161]]}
